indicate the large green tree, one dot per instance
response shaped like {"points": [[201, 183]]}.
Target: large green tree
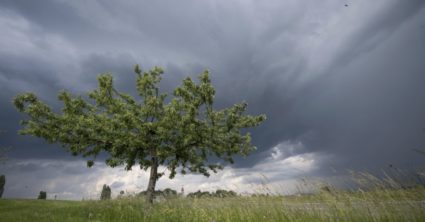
{"points": [[181, 134]]}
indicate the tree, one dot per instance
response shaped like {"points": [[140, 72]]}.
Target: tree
{"points": [[2, 183], [106, 193], [180, 134], [42, 195]]}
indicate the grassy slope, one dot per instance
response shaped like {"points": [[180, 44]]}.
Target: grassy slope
{"points": [[378, 205]]}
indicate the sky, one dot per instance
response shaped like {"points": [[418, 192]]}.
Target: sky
{"points": [[342, 86]]}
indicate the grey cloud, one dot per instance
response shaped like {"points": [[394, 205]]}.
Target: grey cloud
{"points": [[377, 31], [52, 16]]}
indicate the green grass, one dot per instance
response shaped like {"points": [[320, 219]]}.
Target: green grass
{"points": [[373, 205]]}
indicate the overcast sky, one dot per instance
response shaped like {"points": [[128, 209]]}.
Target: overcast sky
{"points": [[342, 86]]}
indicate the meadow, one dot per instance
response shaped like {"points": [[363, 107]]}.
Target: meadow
{"points": [[375, 204]]}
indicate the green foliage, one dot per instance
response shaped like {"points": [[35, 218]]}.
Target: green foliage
{"points": [[106, 193], [181, 134], [2, 183], [42, 195]]}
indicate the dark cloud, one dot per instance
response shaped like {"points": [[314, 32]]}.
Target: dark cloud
{"points": [[345, 82], [52, 16], [370, 114]]}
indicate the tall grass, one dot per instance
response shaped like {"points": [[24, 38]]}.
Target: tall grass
{"points": [[370, 203]]}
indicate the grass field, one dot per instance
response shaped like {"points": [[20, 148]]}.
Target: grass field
{"points": [[373, 205]]}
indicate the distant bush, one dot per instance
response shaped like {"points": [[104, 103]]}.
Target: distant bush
{"points": [[42, 195], [2, 183], [106, 193]]}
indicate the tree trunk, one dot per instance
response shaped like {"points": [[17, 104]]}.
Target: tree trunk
{"points": [[152, 181]]}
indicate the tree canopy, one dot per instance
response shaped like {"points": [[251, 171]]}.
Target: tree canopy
{"points": [[181, 134]]}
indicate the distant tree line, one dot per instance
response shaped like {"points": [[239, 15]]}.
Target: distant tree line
{"points": [[218, 193], [166, 193], [170, 193]]}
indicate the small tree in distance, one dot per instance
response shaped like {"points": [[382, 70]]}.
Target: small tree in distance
{"points": [[106, 193], [181, 134], [42, 195]]}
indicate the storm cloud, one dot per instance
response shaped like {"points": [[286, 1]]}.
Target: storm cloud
{"points": [[343, 87]]}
